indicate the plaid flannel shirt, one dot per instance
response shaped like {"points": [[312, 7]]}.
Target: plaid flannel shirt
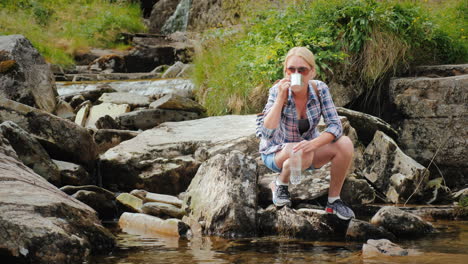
{"points": [[273, 140]]}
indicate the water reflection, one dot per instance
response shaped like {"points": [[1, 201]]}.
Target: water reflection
{"points": [[449, 246]]}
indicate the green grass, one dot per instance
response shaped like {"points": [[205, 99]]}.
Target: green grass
{"points": [[361, 42], [60, 28]]}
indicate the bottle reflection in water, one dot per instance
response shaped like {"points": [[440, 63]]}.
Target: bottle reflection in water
{"points": [[295, 164]]}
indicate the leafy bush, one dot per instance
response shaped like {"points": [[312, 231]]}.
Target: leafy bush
{"points": [[360, 40], [59, 28]]}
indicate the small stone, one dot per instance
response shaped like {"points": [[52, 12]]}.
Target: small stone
{"points": [[377, 248], [131, 202]]}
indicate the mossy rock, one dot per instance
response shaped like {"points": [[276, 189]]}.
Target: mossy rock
{"points": [[7, 66]]}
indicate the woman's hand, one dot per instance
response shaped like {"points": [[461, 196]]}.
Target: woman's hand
{"points": [[283, 90], [305, 145]]}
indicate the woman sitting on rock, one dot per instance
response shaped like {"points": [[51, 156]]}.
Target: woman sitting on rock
{"points": [[291, 116]]}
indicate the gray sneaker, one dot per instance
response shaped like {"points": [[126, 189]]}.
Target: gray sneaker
{"points": [[340, 209], [280, 194]]}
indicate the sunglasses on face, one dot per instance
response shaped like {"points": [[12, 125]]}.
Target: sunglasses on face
{"points": [[301, 70]]}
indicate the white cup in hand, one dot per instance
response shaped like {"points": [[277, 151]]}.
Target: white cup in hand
{"points": [[296, 80]]}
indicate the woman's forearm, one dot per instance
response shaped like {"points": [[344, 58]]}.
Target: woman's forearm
{"points": [[273, 117], [322, 140]]}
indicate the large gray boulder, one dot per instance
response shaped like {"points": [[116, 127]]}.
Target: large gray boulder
{"points": [[31, 152], [166, 158], [41, 224], [223, 196], [392, 172], [401, 223], [62, 139], [25, 76], [435, 122]]}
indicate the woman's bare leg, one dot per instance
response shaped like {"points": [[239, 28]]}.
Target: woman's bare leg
{"points": [[340, 153]]}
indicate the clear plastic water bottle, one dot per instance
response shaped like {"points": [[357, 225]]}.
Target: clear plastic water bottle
{"points": [[295, 164]]}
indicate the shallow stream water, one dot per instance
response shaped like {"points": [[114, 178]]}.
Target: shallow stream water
{"points": [[449, 246]]}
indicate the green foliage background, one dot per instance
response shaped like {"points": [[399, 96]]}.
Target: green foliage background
{"points": [[59, 28], [361, 40]]}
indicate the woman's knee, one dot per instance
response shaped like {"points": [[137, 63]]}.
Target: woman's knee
{"points": [[345, 145]]}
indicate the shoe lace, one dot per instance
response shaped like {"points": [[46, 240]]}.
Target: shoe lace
{"points": [[283, 192]]}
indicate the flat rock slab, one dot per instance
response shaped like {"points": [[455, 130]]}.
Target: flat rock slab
{"points": [[210, 130]]}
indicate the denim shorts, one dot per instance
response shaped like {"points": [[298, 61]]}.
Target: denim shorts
{"points": [[269, 160]]}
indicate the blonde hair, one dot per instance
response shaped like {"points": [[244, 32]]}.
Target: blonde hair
{"points": [[305, 54]]}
